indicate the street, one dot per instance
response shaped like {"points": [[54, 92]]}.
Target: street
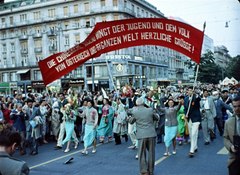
{"points": [[120, 159]]}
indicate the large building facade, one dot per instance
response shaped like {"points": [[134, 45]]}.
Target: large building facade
{"points": [[221, 56], [32, 30]]}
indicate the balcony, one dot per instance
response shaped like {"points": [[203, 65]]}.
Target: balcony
{"points": [[24, 22], [52, 33], [4, 25], [23, 37], [179, 70], [76, 26], [4, 36], [37, 35], [53, 48], [39, 49], [24, 51], [19, 65]]}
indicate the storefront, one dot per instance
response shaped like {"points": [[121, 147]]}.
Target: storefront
{"points": [[103, 84], [4, 88], [24, 87], [77, 84], [38, 86], [13, 88], [55, 86]]}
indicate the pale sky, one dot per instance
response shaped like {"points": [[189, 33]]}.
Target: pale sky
{"points": [[214, 12]]}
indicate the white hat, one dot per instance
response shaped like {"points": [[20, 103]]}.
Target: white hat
{"points": [[215, 92]]}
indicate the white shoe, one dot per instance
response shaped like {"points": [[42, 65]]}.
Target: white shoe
{"points": [[136, 157], [166, 154], [94, 151], [174, 152], [76, 145], [67, 150], [84, 152]]}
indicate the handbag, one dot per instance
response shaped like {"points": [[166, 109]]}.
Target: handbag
{"points": [[33, 124]]}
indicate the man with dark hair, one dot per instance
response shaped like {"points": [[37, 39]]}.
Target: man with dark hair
{"points": [[31, 115], [193, 116], [9, 141], [231, 132]]}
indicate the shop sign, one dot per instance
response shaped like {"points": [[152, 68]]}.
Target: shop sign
{"points": [[77, 81], [119, 68], [38, 84], [13, 85], [125, 57], [103, 82], [138, 58]]}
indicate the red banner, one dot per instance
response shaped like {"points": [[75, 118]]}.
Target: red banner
{"points": [[115, 35]]}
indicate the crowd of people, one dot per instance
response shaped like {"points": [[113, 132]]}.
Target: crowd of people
{"points": [[148, 116]]}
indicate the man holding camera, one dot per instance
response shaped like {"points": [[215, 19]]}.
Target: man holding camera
{"points": [[232, 139]]}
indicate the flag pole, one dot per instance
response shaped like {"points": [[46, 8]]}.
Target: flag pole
{"points": [[189, 105], [111, 76]]}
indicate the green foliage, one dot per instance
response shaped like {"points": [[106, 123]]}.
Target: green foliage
{"points": [[233, 69], [209, 71]]}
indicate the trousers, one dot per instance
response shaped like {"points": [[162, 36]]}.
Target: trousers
{"points": [[219, 123], [193, 133], [143, 145], [61, 135], [131, 133], [207, 124], [32, 142]]}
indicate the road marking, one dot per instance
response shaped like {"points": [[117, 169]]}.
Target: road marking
{"points": [[35, 166], [160, 160], [223, 151]]}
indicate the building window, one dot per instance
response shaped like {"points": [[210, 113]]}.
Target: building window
{"points": [[139, 52], [52, 28], [78, 72], [37, 16], [3, 20], [165, 72], [38, 29], [77, 23], [5, 77], [142, 13], [144, 70], [23, 17], [138, 11], [137, 72], [77, 38], [4, 61], [86, 7], [38, 44], [4, 48], [132, 7], [115, 17], [147, 14], [134, 52], [67, 40], [125, 4], [13, 60], [24, 31], [24, 45], [87, 22], [13, 76], [66, 23], [51, 13], [11, 20], [115, 2], [37, 75], [102, 3], [12, 47], [65, 9], [38, 57], [76, 8], [104, 18]]}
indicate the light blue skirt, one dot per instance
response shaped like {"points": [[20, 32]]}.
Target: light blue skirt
{"points": [[69, 130], [89, 136], [170, 134]]}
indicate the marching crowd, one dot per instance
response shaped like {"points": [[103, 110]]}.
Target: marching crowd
{"points": [[149, 116]]}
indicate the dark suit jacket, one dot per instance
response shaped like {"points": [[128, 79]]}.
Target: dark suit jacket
{"points": [[29, 117], [61, 104], [194, 112], [10, 165], [219, 106], [18, 120]]}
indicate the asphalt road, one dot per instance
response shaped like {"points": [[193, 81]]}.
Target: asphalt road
{"points": [[111, 159]]}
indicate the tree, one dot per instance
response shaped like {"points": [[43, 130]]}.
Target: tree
{"points": [[209, 71], [233, 69]]}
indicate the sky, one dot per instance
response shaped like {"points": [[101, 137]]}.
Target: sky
{"points": [[215, 12]]}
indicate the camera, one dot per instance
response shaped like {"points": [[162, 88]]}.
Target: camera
{"points": [[236, 142]]}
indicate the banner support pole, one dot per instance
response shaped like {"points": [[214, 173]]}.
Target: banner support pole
{"points": [[189, 105]]}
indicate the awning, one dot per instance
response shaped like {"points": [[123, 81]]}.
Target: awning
{"points": [[22, 71]]}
